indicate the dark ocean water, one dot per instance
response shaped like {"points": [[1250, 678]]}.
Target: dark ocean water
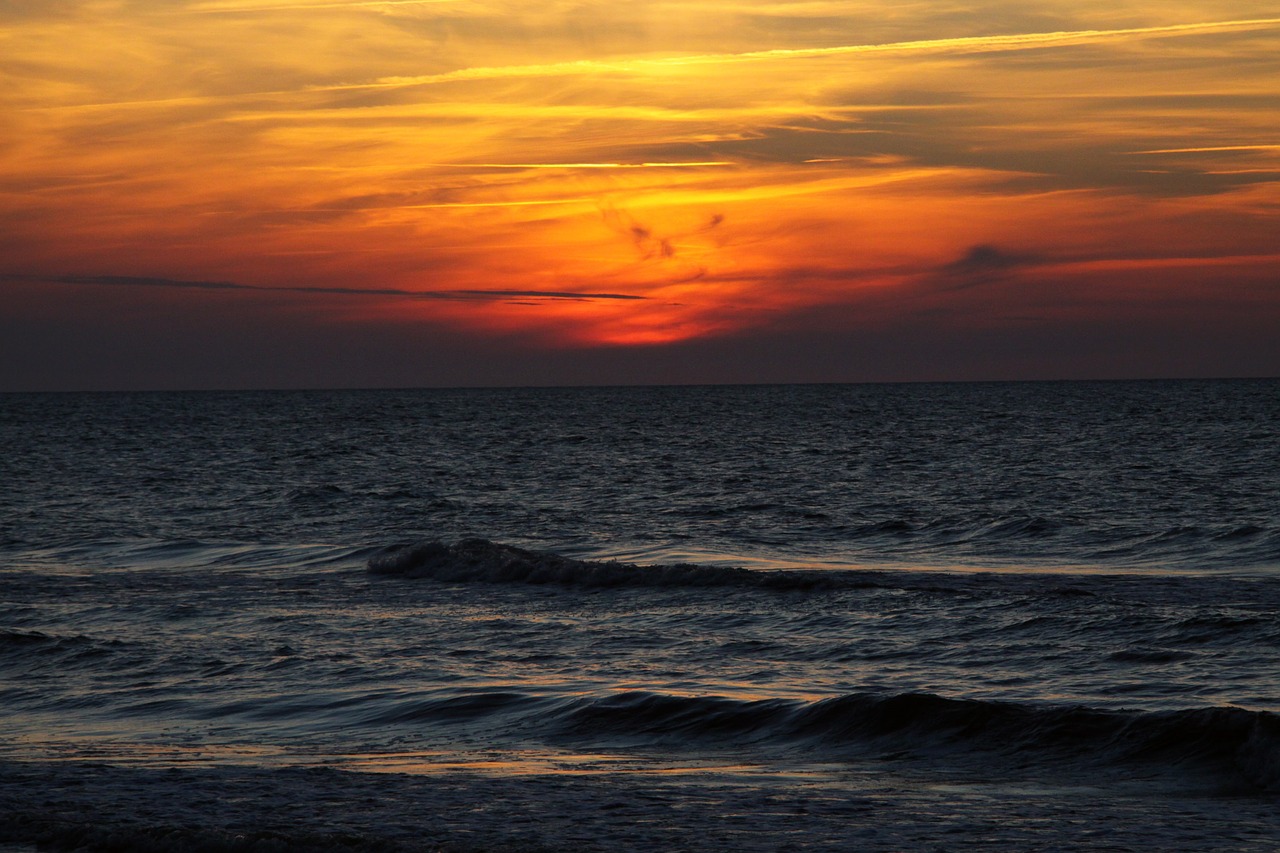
{"points": [[1056, 604]]}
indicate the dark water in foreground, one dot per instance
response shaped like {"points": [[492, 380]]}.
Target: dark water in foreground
{"points": [[1006, 616]]}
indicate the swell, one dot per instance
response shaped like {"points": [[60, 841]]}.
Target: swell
{"points": [[479, 560], [1227, 748], [1235, 744], [22, 647], [1233, 748], [49, 558], [483, 561]]}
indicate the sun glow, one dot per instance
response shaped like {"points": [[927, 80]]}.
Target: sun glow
{"points": [[638, 176]]}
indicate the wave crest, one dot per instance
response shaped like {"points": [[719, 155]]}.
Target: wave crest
{"points": [[472, 560], [1239, 747]]}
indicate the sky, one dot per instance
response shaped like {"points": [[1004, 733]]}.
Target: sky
{"points": [[403, 193]]}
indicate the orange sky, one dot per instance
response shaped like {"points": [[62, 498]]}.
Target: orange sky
{"points": [[257, 193]]}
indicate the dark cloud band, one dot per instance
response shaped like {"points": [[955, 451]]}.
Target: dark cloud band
{"points": [[190, 284]]}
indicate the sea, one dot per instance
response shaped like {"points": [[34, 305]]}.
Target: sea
{"points": [[900, 617]]}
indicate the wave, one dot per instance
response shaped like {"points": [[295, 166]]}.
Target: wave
{"points": [[1239, 745], [26, 647], [1223, 545], [479, 560], [483, 561], [1234, 749], [132, 555], [1225, 748], [1228, 749]]}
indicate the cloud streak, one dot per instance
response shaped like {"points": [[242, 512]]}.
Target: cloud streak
{"points": [[451, 295], [964, 44], [1207, 149], [678, 165], [666, 64], [231, 8]]}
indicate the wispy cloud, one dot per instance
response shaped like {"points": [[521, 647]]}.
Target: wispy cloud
{"points": [[1205, 149], [225, 8], [679, 165], [963, 44], [190, 284], [537, 202], [663, 65]]}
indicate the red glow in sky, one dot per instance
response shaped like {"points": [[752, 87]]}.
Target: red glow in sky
{"points": [[273, 193]]}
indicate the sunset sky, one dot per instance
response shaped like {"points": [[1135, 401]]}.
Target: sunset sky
{"points": [[280, 193]]}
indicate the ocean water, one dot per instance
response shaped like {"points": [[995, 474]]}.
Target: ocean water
{"points": [[1024, 616]]}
